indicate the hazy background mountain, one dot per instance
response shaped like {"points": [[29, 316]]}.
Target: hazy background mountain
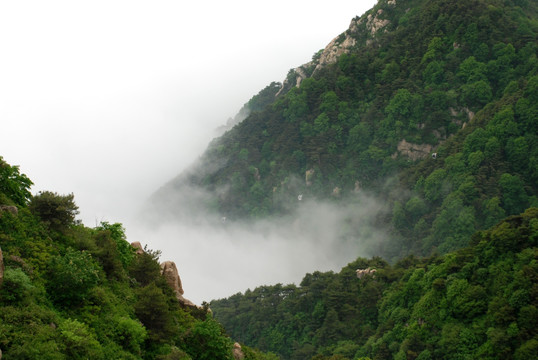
{"points": [[412, 135], [420, 115], [121, 90]]}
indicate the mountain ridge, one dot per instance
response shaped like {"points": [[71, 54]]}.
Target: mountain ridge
{"points": [[372, 121]]}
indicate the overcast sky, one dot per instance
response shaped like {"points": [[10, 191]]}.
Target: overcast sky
{"points": [[111, 99]]}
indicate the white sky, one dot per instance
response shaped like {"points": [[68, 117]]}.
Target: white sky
{"points": [[111, 99]]}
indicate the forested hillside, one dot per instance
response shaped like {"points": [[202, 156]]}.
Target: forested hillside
{"points": [[428, 106], [431, 108], [72, 292], [480, 302]]}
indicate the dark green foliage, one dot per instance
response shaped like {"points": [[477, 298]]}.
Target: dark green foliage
{"points": [[71, 276], [14, 186], [71, 292], [153, 311], [454, 78], [479, 302], [16, 286], [57, 211], [207, 341]]}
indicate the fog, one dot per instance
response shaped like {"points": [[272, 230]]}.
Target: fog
{"points": [[109, 100], [218, 257]]}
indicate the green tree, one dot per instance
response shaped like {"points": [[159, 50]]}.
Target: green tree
{"points": [[78, 341], [436, 186], [515, 198], [152, 309], [126, 252], [13, 184], [57, 211], [208, 341], [71, 277]]}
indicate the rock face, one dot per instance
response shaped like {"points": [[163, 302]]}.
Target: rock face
{"points": [[374, 23], [8, 208], [361, 30], [139, 250], [170, 273], [1, 268], [361, 273], [237, 352], [413, 151], [338, 46]]}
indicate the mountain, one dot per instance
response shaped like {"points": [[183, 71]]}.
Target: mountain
{"points": [[429, 109], [427, 106], [480, 302], [72, 292]]}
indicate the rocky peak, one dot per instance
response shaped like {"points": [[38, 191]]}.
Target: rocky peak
{"points": [[138, 247], [361, 30], [171, 275], [237, 352]]}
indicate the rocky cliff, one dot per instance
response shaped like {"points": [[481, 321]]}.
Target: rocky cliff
{"points": [[361, 31]]}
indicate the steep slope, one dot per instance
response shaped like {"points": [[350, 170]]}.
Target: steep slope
{"points": [[430, 106], [72, 292], [477, 303]]}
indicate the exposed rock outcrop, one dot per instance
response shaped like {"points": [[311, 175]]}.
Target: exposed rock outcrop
{"points": [[374, 23], [361, 273], [336, 192], [138, 247], [362, 28], [237, 352], [338, 46], [9, 208], [357, 187], [308, 176], [413, 151], [171, 275]]}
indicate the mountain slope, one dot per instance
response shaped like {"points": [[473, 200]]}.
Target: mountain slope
{"points": [[72, 292], [427, 105], [477, 303]]}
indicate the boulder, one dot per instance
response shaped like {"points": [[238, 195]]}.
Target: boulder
{"points": [[413, 151], [237, 352], [138, 247], [186, 302], [361, 273], [170, 273]]}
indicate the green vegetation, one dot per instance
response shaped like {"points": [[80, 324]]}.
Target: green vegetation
{"points": [[72, 292], [479, 302], [454, 78], [432, 112]]}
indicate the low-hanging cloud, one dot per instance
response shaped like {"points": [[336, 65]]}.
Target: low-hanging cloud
{"points": [[218, 257], [109, 100]]}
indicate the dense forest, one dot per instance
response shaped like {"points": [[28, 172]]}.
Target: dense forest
{"points": [[72, 292], [431, 110], [428, 106], [480, 302]]}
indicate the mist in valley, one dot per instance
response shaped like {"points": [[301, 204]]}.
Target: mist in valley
{"points": [[111, 100], [217, 256]]}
